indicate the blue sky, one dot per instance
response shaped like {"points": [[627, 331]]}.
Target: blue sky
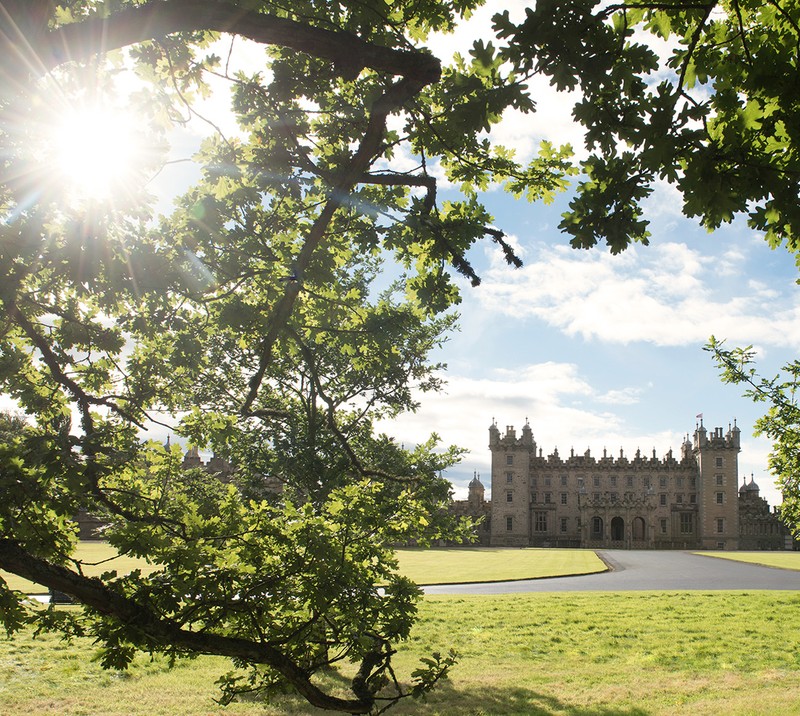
{"points": [[606, 351], [594, 350]]}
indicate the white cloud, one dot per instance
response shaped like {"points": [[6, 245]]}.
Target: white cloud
{"points": [[627, 396], [666, 295], [563, 409]]}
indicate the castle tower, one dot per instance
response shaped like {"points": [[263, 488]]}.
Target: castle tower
{"points": [[192, 458], [511, 458], [717, 486]]}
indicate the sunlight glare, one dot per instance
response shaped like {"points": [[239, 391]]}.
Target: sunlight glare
{"points": [[96, 152]]}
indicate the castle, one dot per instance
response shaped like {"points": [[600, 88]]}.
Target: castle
{"points": [[690, 501]]}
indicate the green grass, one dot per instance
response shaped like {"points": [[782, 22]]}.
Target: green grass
{"points": [[578, 654], [98, 557], [484, 564], [431, 566], [782, 560]]}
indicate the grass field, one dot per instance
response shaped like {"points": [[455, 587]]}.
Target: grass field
{"points": [[570, 654], [782, 560], [485, 564], [576, 654], [98, 557], [431, 566]]}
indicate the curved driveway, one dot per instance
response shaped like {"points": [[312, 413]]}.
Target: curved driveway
{"points": [[634, 570]]}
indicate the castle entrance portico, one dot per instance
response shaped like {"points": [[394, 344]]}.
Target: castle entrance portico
{"points": [[618, 524]]}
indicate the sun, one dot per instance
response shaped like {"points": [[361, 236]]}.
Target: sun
{"points": [[97, 152]]}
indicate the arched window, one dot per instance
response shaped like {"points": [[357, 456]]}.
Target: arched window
{"points": [[597, 527]]}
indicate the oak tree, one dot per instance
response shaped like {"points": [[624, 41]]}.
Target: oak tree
{"points": [[295, 293]]}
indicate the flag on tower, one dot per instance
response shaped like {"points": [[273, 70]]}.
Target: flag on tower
{"points": [[699, 415]]}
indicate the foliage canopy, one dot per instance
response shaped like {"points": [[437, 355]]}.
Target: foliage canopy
{"points": [[262, 312]]}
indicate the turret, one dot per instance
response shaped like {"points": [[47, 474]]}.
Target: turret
{"points": [[734, 435], [527, 437], [700, 435], [475, 492], [192, 458], [494, 434]]}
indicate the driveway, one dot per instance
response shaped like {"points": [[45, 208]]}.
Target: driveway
{"points": [[641, 570]]}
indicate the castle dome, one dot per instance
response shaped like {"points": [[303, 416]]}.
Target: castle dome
{"points": [[748, 487]]}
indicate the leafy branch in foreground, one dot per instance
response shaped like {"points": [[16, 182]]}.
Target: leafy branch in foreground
{"points": [[781, 422], [296, 292]]}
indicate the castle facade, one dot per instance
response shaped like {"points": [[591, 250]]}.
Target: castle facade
{"points": [[685, 501]]}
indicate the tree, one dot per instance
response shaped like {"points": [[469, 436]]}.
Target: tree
{"points": [[781, 423], [258, 313], [295, 293]]}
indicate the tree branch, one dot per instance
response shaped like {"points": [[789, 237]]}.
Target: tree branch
{"points": [[93, 593], [159, 18]]}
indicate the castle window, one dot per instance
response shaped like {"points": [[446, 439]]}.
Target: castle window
{"points": [[629, 481], [563, 480], [547, 482], [647, 482], [509, 524], [693, 482], [563, 524], [597, 527], [595, 495], [534, 482], [693, 499], [509, 459], [720, 524], [596, 481], [679, 481], [509, 496], [720, 498], [563, 498], [718, 479], [663, 525], [548, 497], [718, 462], [662, 481], [613, 481], [614, 496], [680, 498], [509, 478], [662, 499], [540, 522], [533, 497], [686, 523]]}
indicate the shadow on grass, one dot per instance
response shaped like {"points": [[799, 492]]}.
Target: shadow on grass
{"points": [[448, 700], [509, 701]]}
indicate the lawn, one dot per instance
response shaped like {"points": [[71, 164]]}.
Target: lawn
{"points": [[431, 566], [485, 564], [97, 556], [782, 560], [576, 654]]}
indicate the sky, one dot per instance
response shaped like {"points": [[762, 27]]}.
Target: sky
{"points": [[599, 351], [593, 350]]}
